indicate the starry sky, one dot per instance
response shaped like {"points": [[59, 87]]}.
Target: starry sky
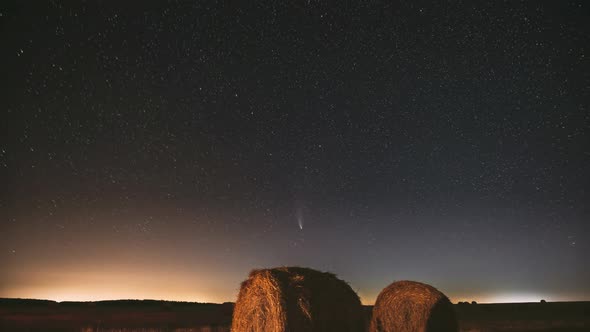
{"points": [[163, 150]]}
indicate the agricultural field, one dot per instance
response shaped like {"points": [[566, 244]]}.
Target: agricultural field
{"points": [[162, 316], [111, 316]]}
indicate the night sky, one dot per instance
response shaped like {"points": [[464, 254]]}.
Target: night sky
{"points": [[164, 150]]}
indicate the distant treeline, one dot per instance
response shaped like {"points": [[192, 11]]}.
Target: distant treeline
{"points": [[35, 302]]}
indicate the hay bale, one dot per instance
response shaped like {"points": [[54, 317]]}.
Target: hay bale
{"points": [[296, 299], [409, 306]]}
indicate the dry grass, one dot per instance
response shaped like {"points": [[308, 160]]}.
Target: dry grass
{"points": [[296, 299], [409, 306]]}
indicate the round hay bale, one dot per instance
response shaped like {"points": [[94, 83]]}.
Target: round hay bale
{"points": [[296, 299], [409, 306]]}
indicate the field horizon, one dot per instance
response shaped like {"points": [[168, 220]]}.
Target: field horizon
{"points": [[18, 314], [2, 299]]}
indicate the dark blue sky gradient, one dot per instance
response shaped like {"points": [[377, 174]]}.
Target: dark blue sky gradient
{"points": [[163, 150]]}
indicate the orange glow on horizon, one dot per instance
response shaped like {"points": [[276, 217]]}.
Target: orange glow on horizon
{"points": [[117, 282], [93, 285], [85, 292]]}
